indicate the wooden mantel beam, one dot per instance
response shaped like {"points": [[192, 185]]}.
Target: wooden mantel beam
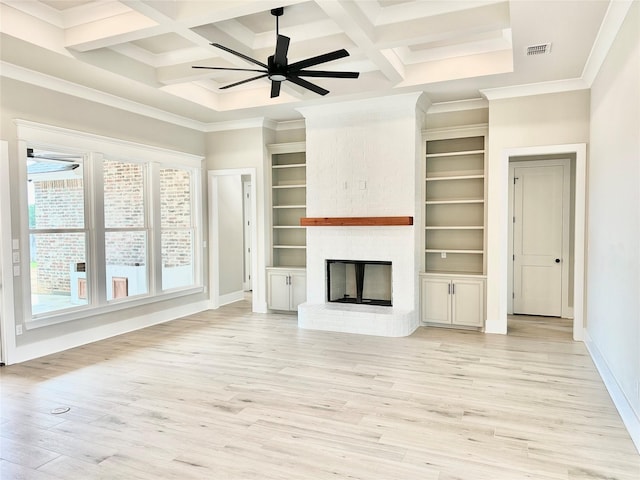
{"points": [[355, 221]]}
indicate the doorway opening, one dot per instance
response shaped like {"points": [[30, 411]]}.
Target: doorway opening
{"points": [[232, 234], [499, 291], [540, 235]]}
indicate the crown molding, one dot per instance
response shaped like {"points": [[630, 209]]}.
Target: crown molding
{"points": [[25, 75], [258, 122], [298, 124], [542, 88], [363, 107], [458, 106], [611, 24]]}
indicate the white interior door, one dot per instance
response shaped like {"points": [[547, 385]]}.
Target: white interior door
{"points": [[538, 240]]}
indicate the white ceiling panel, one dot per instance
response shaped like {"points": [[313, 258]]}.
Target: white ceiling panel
{"points": [[143, 51]]}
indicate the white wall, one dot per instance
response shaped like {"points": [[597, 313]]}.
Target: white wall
{"points": [[613, 288], [552, 119]]}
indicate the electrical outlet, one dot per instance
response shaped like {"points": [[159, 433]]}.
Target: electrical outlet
{"points": [[443, 254], [18, 329]]}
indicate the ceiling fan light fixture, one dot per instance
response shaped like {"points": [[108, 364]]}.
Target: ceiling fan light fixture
{"points": [[277, 69]]}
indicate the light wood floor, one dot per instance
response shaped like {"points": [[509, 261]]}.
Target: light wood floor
{"points": [[229, 395]]}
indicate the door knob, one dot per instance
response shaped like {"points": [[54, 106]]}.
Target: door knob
{"points": [[557, 260]]}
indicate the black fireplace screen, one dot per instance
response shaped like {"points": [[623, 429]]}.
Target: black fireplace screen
{"points": [[359, 282]]}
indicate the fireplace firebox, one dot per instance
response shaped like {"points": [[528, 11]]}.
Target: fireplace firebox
{"points": [[360, 282]]}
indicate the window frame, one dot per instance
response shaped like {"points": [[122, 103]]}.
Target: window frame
{"points": [[95, 149]]}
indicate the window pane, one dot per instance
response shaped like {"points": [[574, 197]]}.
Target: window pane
{"points": [[55, 192], [175, 198], [58, 277], [126, 264], [123, 195], [177, 259], [177, 232]]}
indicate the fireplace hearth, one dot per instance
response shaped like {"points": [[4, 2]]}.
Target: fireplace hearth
{"points": [[359, 282]]}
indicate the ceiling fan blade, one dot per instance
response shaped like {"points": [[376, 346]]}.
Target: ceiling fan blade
{"points": [[275, 88], [238, 54], [243, 81], [282, 47], [308, 85], [230, 69], [326, 57], [321, 73]]}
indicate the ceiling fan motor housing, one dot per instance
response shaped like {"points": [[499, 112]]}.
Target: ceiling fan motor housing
{"points": [[276, 71]]}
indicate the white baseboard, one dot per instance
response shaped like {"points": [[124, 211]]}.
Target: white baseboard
{"points": [[230, 298], [628, 415], [22, 353]]}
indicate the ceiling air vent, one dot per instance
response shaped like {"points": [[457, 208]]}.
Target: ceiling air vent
{"points": [[540, 49]]}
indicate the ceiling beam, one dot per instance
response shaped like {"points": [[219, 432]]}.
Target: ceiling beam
{"points": [[361, 31]]}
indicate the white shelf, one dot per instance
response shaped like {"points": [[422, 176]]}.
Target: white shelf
{"points": [[454, 227], [454, 201], [448, 251], [440, 176], [455, 154], [293, 185], [289, 206], [298, 247], [276, 227], [293, 165]]}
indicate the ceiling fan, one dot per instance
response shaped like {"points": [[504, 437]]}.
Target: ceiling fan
{"points": [[278, 69]]}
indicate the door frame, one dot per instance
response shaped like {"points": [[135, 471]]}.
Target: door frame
{"points": [[247, 188], [498, 234], [7, 315], [214, 232], [514, 162]]}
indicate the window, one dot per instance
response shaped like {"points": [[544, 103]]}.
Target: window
{"points": [[111, 226], [57, 230], [177, 229], [125, 232]]}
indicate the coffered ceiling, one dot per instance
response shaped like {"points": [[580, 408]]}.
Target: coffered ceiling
{"points": [[139, 54]]}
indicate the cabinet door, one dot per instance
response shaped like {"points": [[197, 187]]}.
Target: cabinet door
{"points": [[468, 302], [298, 289], [278, 290], [436, 302]]}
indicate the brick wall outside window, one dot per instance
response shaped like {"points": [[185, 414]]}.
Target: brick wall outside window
{"points": [[60, 204], [175, 213]]}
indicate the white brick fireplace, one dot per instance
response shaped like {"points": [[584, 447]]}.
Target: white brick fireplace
{"points": [[363, 160]]}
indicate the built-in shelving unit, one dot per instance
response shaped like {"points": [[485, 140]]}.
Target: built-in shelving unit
{"points": [[455, 201], [286, 275], [288, 201], [452, 284]]}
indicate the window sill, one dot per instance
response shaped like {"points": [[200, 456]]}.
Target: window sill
{"points": [[114, 306]]}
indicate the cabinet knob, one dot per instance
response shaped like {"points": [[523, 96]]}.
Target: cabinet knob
{"points": [[557, 260]]}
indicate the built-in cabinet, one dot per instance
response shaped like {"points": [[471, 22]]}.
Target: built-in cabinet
{"points": [[288, 238], [287, 288], [452, 284], [452, 300]]}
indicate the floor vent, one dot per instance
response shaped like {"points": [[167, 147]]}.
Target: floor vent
{"points": [[540, 49]]}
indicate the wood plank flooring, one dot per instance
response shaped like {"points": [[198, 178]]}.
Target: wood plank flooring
{"points": [[228, 394]]}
